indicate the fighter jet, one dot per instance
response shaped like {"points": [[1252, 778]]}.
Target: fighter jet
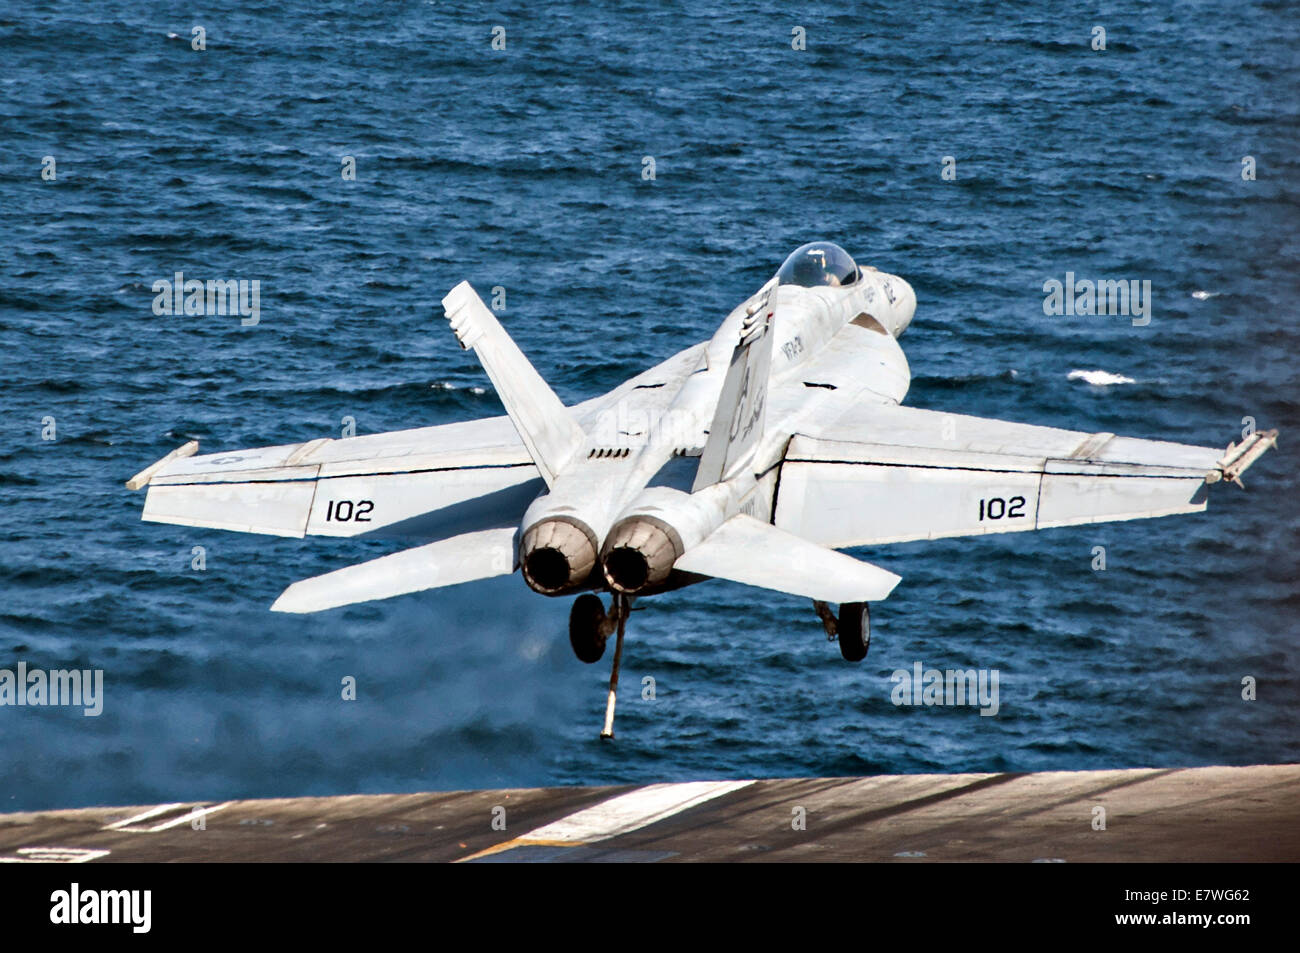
{"points": [[754, 456]]}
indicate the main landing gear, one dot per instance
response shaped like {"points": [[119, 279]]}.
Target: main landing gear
{"points": [[852, 629], [590, 627]]}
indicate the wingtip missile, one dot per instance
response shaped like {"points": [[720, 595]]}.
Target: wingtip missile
{"points": [[1238, 457], [141, 479]]}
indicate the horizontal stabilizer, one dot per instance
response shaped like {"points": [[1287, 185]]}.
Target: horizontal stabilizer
{"points": [[447, 562], [748, 551], [546, 428]]}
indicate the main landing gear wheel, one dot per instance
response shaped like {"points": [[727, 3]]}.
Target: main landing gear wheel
{"points": [[589, 628], [854, 630]]}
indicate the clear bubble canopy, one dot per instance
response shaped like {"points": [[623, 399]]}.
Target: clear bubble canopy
{"points": [[818, 263]]}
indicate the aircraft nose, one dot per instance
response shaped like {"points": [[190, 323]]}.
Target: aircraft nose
{"points": [[904, 305]]}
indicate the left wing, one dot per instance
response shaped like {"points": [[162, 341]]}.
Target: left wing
{"points": [[428, 482], [895, 474]]}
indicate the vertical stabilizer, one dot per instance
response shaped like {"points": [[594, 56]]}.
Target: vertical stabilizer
{"points": [[738, 420], [544, 425]]}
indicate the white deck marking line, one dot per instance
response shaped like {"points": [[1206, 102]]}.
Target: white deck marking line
{"points": [[54, 855], [619, 815], [130, 824], [193, 815], [152, 812]]}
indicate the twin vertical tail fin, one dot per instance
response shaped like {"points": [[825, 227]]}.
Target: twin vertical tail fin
{"points": [[546, 428], [739, 417]]}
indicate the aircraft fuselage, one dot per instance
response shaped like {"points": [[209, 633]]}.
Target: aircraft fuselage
{"points": [[624, 497]]}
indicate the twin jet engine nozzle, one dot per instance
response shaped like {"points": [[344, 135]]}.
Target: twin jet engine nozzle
{"points": [[642, 549], [557, 555], [560, 553], [639, 554]]}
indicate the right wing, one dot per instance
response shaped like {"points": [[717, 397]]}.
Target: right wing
{"points": [[893, 474]]}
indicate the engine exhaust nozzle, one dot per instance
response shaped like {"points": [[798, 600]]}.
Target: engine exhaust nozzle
{"points": [[557, 554], [639, 553]]}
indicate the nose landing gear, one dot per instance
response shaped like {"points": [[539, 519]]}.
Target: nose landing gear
{"points": [[590, 627]]}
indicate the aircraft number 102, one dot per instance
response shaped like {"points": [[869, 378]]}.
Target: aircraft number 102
{"points": [[995, 508], [343, 511]]}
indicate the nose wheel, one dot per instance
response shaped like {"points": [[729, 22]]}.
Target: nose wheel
{"points": [[852, 629], [590, 627]]}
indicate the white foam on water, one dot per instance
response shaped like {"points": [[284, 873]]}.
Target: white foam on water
{"points": [[1099, 378]]}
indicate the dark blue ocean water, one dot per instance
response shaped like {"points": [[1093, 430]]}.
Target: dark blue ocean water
{"points": [[523, 168]]}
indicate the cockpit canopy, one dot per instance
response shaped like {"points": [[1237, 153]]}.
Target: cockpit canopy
{"points": [[818, 263]]}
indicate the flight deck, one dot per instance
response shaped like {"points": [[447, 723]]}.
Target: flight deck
{"points": [[1150, 814]]}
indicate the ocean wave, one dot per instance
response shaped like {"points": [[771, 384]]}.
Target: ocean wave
{"points": [[1099, 378]]}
